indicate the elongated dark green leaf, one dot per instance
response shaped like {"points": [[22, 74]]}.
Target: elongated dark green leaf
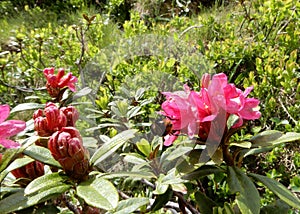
{"points": [[161, 200], [44, 182], [48, 194], [99, 193], [278, 189], [277, 207], [111, 146], [27, 106], [41, 154], [15, 165], [228, 209], [247, 198], [202, 171], [272, 137], [204, 203], [14, 202], [140, 174], [130, 205]]}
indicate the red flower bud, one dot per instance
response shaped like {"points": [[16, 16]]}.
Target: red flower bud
{"points": [[30, 171], [71, 114], [66, 147], [49, 121]]}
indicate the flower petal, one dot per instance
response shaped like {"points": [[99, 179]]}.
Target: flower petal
{"points": [[169, 139], [11, 127], [4, 112], [9, 143]]}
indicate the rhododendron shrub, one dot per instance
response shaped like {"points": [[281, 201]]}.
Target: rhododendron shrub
{"points": [[202, 172], [193, 113]]}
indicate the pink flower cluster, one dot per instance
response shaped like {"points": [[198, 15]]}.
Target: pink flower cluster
{"points": [[194, 112], [56, 82]]}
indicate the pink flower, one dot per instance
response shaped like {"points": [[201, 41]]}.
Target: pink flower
{"points": [[179, 110], [194, 112], [9, 128], [56, 82], [233, 100]]}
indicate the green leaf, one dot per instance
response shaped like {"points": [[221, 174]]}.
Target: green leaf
{"points": [[144, 147], [98, 193], [45, 182], [204, 203], [130, 205], [47, 194], [272, 138], [232, 120], [140, 174], [247, 198], [27, 106], [111, 146], [277, 207], [228, 209], [242, 144], [161, 200], [83, 92], [15, 165], [178, 152], [41, 154], [14, 202], [19, 201], [278, 189], [202, 172], [8, 156]]}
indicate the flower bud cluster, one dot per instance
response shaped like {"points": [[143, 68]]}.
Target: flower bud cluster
{"points": [[65, 143], [199, 113], [66, 147], [59, 81], [52, 119]]}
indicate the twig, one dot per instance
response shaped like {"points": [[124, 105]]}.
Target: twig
{"points": [[188, 29], [286, 111], [81, 39], [70, 206], [23, 89], [186, 203], [123, 195]]}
